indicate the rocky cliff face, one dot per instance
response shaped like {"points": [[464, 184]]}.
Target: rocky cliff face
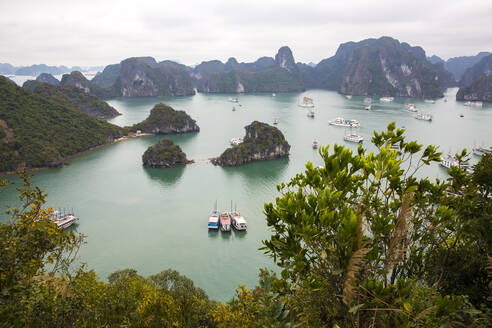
{"points": [[164, 119], [78, 80], [47, 78], [261, 142], [264, 75], [379, 67], [144, 77], [478, 90], [164, 154], [482, 68], [458, 65]]}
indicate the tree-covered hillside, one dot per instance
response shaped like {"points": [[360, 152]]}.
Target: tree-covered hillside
{"points": [[37, 132]]}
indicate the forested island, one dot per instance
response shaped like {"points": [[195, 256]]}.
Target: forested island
{"points": [[261, 142], [164, 154]]}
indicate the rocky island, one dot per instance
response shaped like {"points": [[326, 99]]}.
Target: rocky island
{"points": [[261, 142], [164, 154], [476, 83], [145, 77], [38, 132], [379, 67], [267, 74], [163, 119]]}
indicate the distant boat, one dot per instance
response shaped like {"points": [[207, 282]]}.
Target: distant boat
{"points": [[213, 219], [233, 108], [274, 95], [310, 113], [396, 147], [306, 102], [352, 137], [423, 117], [236, 141], [480, 151], [368, 100], [461, 115], [234, 100], [386, 99], [449, 161], [411, 108], [368, 107], [348, 96], [445, 100], [275, 121], [315, 144], [63, 220], [429, 101], [340, 121], [225, 222], [473, 104]]}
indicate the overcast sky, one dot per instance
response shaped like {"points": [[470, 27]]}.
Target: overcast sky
{"points": [[87, 32]]}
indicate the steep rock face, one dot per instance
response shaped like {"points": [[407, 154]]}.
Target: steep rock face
{"points": [[261, 142], [482, 68], [144, 77], [381, 67], [164, 154], [164, 119], [73, 97], [264, 75], [478, 90], [107, 78], [78, 80], [47, 78], [458, 65], [284, 59]]}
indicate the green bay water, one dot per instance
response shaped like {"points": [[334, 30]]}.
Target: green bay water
{"points": [[153, 219]]}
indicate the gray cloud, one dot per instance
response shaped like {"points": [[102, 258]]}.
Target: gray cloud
{"points": [[102, 32]]}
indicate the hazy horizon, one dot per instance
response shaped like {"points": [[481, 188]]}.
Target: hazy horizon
{"points": [[91, 33]]}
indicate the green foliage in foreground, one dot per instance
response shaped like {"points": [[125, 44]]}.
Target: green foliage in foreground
{"points": [[41, 133], [361, 242]]}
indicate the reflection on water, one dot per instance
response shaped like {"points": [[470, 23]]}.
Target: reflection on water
{"points": [[270, 169], [166, 176]]}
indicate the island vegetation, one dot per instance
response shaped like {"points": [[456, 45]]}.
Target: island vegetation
{"points": [[360, 242], [163, 119], [37, 132], [261, 142], [73, 97], [165, 154]]}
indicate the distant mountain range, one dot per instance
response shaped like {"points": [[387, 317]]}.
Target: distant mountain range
{"points": [[35, 70], [371, 67], [458, 65]]}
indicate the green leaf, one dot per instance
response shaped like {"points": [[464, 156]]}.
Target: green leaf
{"points": [[354, 309]]}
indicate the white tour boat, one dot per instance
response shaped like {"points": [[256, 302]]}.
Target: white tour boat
{"points": [[340, 121], [411, 108], [63, 220], [473, 103], [368, 107], [238, 222], [449, 161], [234, 100], [386, 99], [213, 220], [424, 117], [310, 113], [306, 102], [275, 121], [352, 137], [315, 144], [348, 96], [480, 151], [429, 101]]}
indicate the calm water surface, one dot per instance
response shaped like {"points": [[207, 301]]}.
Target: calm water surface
{"points": [[154, 219]]}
